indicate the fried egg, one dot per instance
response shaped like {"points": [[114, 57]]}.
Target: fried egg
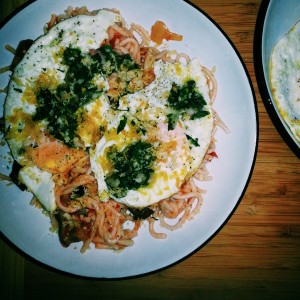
{"points": [[285, 78], [176, 157], [43, 65]]}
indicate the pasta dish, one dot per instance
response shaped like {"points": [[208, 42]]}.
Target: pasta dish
{"points": [[110, 129]]}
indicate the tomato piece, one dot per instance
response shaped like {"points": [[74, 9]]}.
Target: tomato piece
{"points": [[160, 31]]}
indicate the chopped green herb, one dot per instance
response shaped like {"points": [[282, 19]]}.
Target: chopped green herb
{"points": [[110, 61], [172, 119], [194, 141], [199, 114], [138, 127], [141, 129], [132, 168], [186, 100], [60, 34], [122, 124]]}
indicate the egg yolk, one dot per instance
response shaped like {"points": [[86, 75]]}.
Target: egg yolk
{"points": [[54, 156]]}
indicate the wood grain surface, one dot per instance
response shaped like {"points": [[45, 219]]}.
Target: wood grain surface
{"points": [[255, 256]]}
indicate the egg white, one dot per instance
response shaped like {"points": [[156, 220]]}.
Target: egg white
{"points": [[150, 106], [285, 78], [41, 184]]}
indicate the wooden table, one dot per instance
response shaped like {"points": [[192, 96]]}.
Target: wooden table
{"points": [[256, 255]]}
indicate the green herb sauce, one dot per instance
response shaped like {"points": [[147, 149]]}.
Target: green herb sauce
{"points": [[187, 100], [62, 107], [133, 168]]}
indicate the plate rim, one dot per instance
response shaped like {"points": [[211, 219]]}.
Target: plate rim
{"points": [[249, 176], [261, 80]]}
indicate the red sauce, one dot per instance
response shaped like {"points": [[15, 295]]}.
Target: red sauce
{"points": [[160, 31]]}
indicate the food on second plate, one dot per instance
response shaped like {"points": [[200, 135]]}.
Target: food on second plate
{"points": [[285, 78]]}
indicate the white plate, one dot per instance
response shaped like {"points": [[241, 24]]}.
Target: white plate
{"points": [[28, 229], [275, 19]]}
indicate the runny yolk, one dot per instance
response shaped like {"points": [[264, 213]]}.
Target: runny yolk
{"points": [[160, 31], [55, 157]]}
